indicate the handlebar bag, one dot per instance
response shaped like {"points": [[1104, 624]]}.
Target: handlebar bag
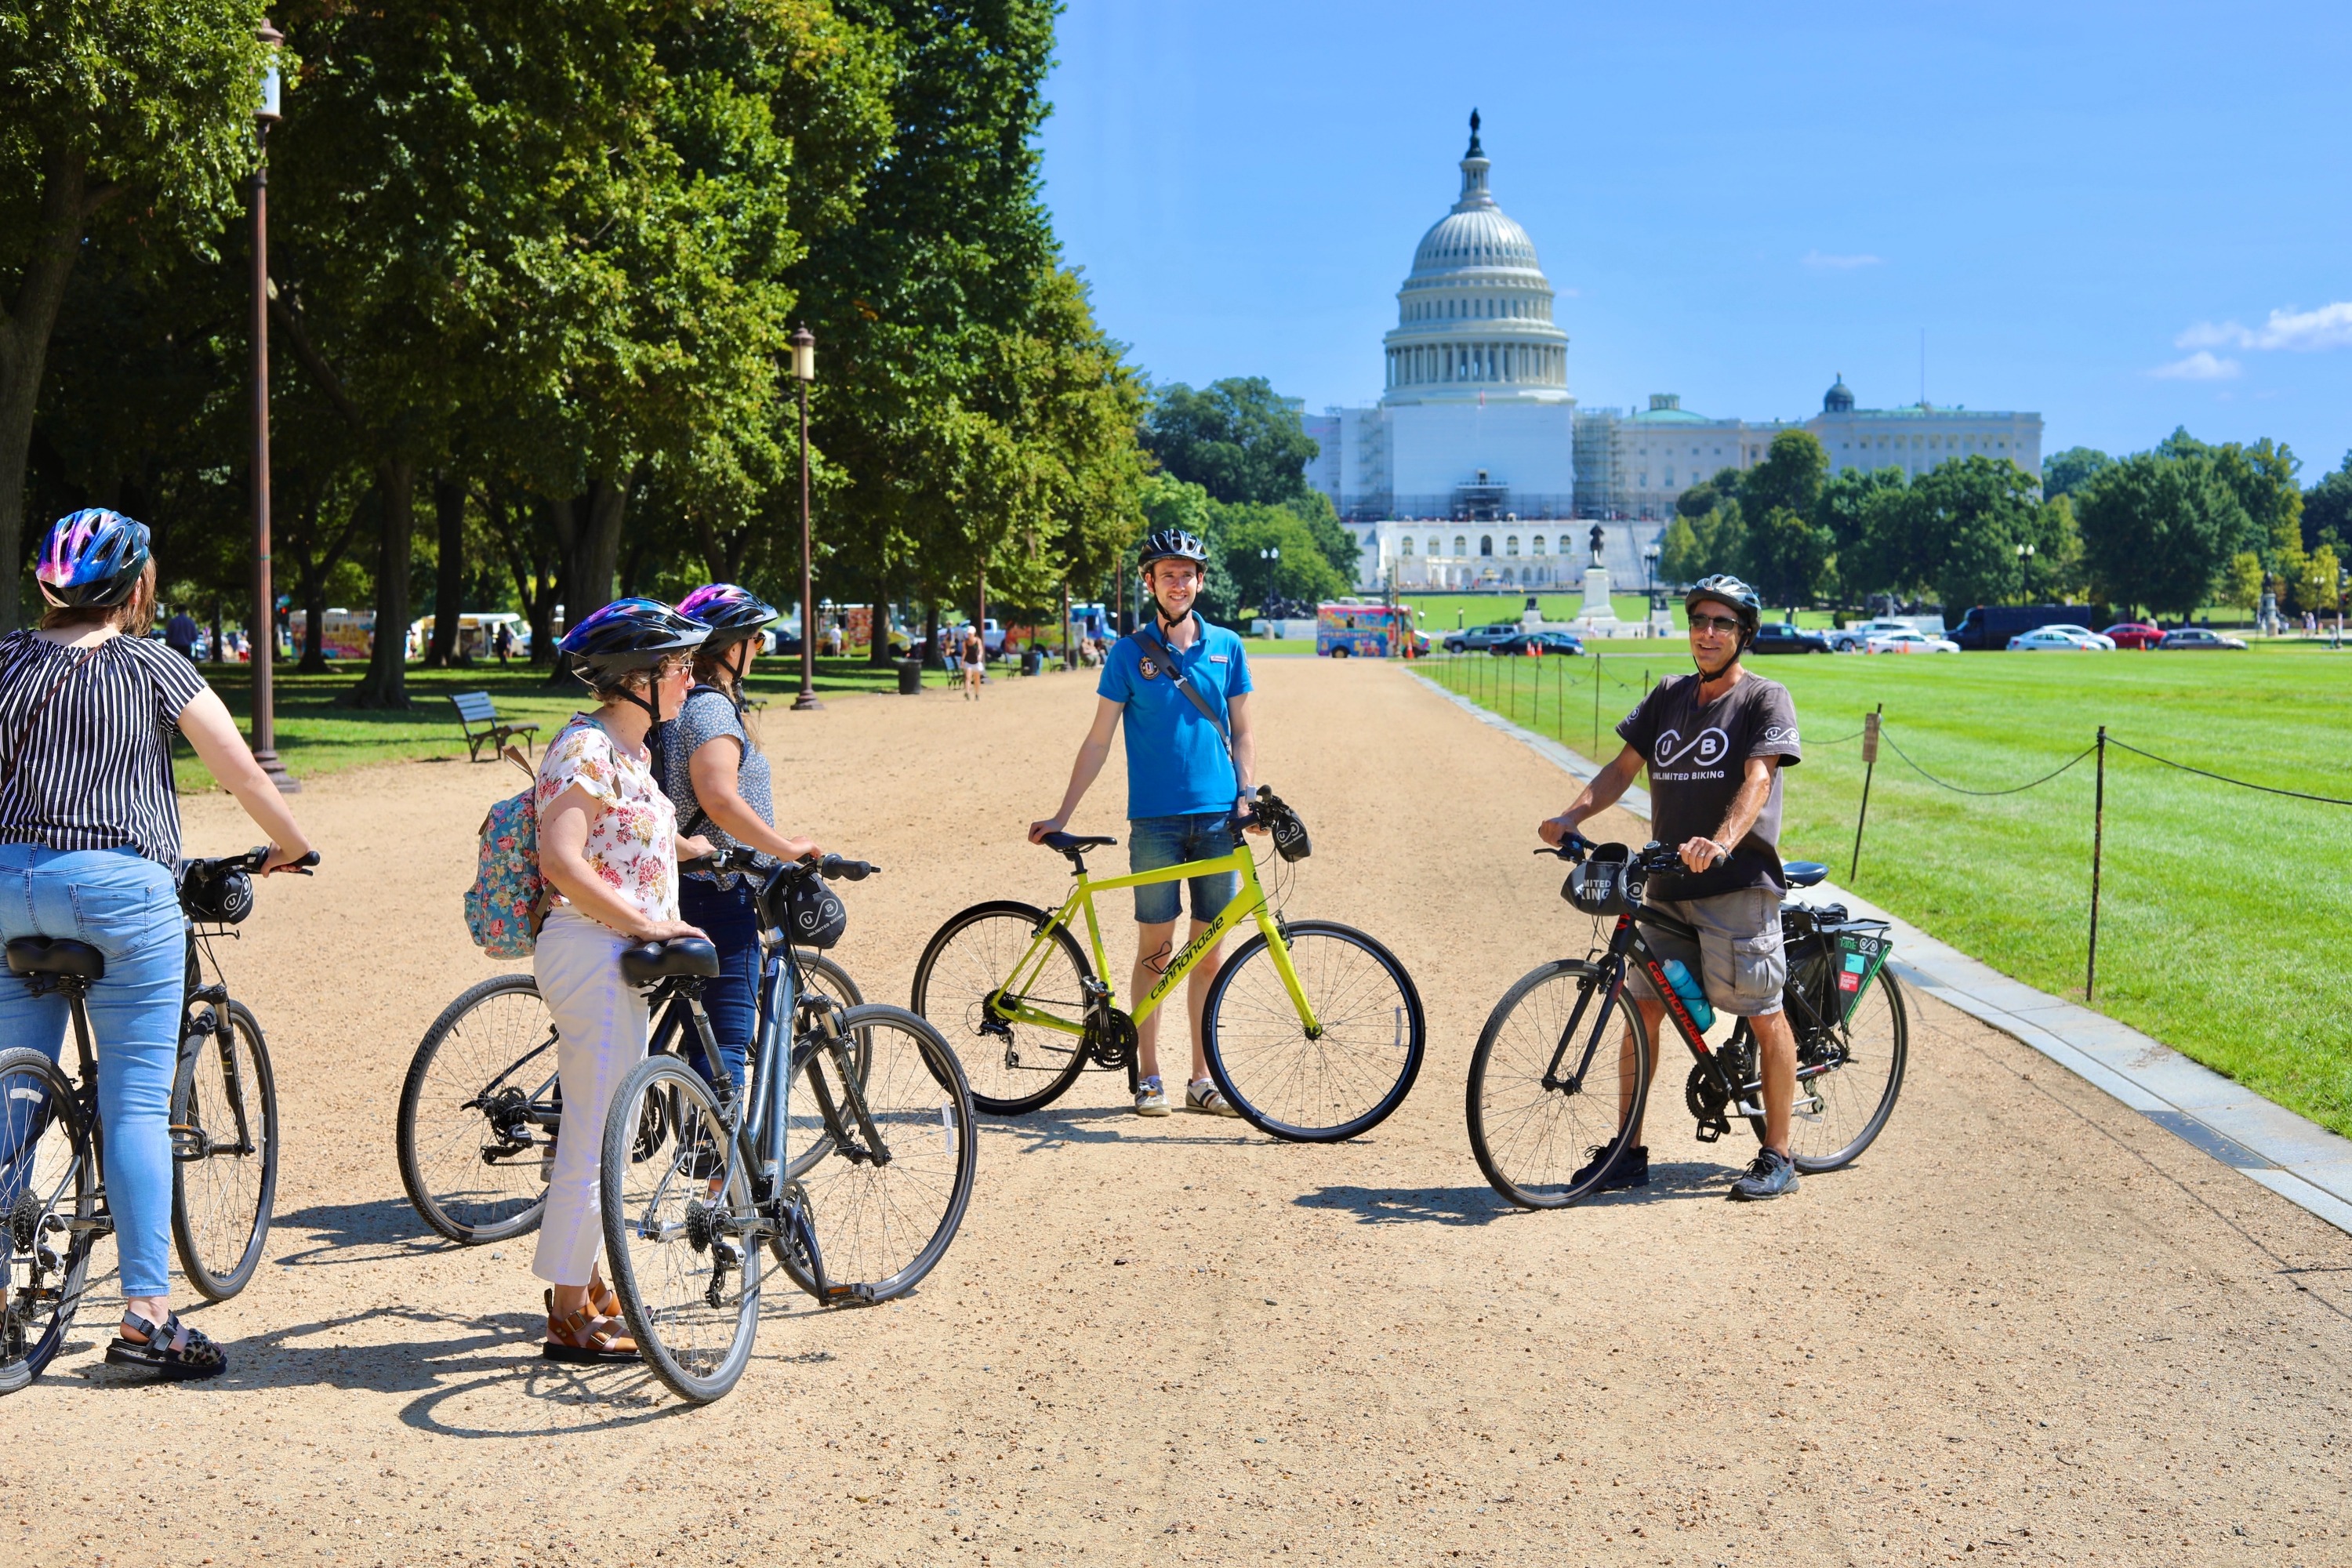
{"points": [[811, 915], [1598, 888]]}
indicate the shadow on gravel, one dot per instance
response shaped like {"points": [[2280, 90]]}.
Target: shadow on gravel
{"points": [[1410, 1205], [1052, 1129], [358, 1233]]}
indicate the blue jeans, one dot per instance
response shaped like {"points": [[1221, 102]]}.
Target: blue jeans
{"points": [[730, 917], [1156, 843], [125, 906]]}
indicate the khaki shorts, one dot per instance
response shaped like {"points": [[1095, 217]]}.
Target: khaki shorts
{"points": [[1739, 956]]}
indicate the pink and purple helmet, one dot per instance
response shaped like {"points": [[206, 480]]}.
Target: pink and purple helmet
{"points": [[732, 614], [92, 559]]}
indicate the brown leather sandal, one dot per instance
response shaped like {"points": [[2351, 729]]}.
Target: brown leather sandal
{"points": [[586, 1338]]}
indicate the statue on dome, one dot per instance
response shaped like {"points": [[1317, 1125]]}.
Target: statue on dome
{"points": [[1473, 152]]}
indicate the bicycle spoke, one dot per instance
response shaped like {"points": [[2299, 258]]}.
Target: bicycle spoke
{"points": [[1012, 1066], [1530, 1140], [1343, 1077], [487, 1064]]}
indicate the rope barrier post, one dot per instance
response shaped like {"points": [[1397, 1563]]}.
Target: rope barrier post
{"points": [[1870, 721], [1595, 752], [2098, 850]]}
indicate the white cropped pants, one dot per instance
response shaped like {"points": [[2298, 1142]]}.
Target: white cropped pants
{"points": [[602, 1026]]}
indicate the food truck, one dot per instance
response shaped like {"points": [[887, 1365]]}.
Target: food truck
{"points": [[1367, 631]]}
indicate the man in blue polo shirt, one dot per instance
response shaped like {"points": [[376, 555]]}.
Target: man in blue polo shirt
{"points": [[1183, 785]]}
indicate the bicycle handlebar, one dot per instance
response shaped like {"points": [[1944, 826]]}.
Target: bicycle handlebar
{"points": [[1653, 857], [833, 867], [253, 859]]}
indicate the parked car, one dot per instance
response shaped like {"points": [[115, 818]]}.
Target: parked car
{"points": [[1991, 625], [2100, 638], [2054, 639], [2199, 637], [1856, 638], [1551, 639], [2133, 633], [1909, 641], [1480, 639], [1779, 636]]}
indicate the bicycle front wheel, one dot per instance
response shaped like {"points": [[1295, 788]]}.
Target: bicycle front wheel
{"points": [[1345, 1076], [1554, 1085], [49, 1197], [223, 1157], [675, 1218], [474, 1151], [893, 1152], [1849, 1078], [1012, 1068]]}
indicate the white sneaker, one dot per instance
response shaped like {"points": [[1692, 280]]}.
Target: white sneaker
{"points": [[1203, 1095], [1151, 1100]]}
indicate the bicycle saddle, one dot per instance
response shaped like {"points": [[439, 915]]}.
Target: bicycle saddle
{"points": [[1072, 844], [651, 960], [55, 955], [1804, 873]]}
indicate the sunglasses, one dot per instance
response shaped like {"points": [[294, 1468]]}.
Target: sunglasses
{"points": [[1714, 623]]}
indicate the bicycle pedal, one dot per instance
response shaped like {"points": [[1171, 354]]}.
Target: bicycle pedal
{"points": [[847, 1296], [1708, 1132]]}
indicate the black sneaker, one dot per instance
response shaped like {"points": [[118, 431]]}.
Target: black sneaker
{"points": [[1771, 1174], [1632, 1170]]}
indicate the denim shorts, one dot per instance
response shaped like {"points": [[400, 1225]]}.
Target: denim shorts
{"points": [[1154, 843]]}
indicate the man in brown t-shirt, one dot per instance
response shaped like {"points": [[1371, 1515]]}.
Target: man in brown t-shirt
{"points": [[1715, 744]]}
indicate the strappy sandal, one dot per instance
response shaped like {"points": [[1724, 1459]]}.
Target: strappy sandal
{"points": [[586, 1339], [170, 1349], [608, 1306]]}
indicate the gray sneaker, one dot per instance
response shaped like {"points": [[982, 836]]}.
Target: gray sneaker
{"points": [[1151, 1100], [1768, 1176]]}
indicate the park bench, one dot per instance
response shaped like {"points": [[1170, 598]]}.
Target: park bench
{"points": [[483, 727]]}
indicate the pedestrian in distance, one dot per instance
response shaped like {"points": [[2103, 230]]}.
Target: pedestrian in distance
{"points": [[1716, 744], [975, 663], [609, 849], [89, 842], [1185, 785], [180, 634], [718, 780], [503, 642]]}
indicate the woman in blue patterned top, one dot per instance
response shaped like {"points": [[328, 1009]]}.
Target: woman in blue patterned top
{"points": [[718, 781]]}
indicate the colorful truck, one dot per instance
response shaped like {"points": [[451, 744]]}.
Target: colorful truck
{"points": [[1367, 631]]}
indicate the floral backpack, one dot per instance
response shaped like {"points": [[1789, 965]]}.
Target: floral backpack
{"points": [[508, 898]]}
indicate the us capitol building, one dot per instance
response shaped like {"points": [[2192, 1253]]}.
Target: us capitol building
{"points": [[1468, 471]]}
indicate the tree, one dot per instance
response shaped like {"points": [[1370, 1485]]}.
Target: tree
{"points": [[2158, 530], [2241, 583], [128, 125], [1848, 502], [1236, 439], [2263, 477], [2327, 510], [2071, 469], [1298, 571], [1788, 556], [1337, 546], [1680, 559], [1790, 477], [1968, 518]]}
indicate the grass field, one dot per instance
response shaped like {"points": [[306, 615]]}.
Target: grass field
{"points": [[2224, 912]]}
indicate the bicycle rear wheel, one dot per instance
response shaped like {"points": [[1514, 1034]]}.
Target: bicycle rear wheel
{"points": [[687, 1282], [223, 1157], [1013, 1069], [1340, 1081], [473, 1154], [884, 1207], [824, 974], [1532, 1139], [1861, 1067], [49, 1198]]}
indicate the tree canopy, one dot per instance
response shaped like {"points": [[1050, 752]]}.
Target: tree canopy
{"points": [[1236, 439]]}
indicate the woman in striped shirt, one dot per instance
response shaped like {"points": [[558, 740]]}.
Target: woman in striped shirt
{"points": [[90, 841]]}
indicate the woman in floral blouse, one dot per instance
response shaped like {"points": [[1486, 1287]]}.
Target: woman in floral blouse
{"points": [[609, 848]]}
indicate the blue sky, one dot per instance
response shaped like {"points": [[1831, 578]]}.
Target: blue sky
{"points": [[2125, 218]]}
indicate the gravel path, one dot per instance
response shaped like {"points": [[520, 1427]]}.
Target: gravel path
{"points": [[2030, 1323]]}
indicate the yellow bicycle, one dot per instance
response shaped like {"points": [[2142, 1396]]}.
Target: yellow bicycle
{"points": [[1313, 1030]]}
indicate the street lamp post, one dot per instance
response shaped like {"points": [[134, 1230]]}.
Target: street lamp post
{"points": [[261, 636], [2025, 570], [804, 371]]}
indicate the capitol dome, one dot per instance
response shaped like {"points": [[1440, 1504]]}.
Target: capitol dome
{"points": [[1474, 315]]}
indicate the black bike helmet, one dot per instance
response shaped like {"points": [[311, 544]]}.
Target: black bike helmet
{"points": [[733, 614], [1724, 589], [1173, 544], [92, 559]]}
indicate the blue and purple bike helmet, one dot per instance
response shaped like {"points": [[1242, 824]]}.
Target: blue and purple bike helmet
{"points": [[733, 614], [91, 560]]}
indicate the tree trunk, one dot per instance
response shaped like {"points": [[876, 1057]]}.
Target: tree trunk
{"points": [[449, 570], [587, 531], [385, 685], [25, 347], [930, 648], [877, 652]]}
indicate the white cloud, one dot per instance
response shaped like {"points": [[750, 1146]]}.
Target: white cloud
{"points": [[1819, 262], [2328, 327], [2198, 366]]}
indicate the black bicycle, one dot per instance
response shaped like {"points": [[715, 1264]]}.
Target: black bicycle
{"points": [[847, 1157], [224, 1120], [1554, 1093], [480, 1109]]}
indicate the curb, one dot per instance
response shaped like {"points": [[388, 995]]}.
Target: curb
{"points": [[2295, 1157]]}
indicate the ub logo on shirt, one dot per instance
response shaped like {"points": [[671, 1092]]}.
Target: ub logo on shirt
{"points": [[1706, 749]]}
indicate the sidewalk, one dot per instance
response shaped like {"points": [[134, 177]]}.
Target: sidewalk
{"points": [[2301, 1161]]}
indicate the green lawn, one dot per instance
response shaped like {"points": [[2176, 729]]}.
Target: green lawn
{"points": [[2224, 912]]}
